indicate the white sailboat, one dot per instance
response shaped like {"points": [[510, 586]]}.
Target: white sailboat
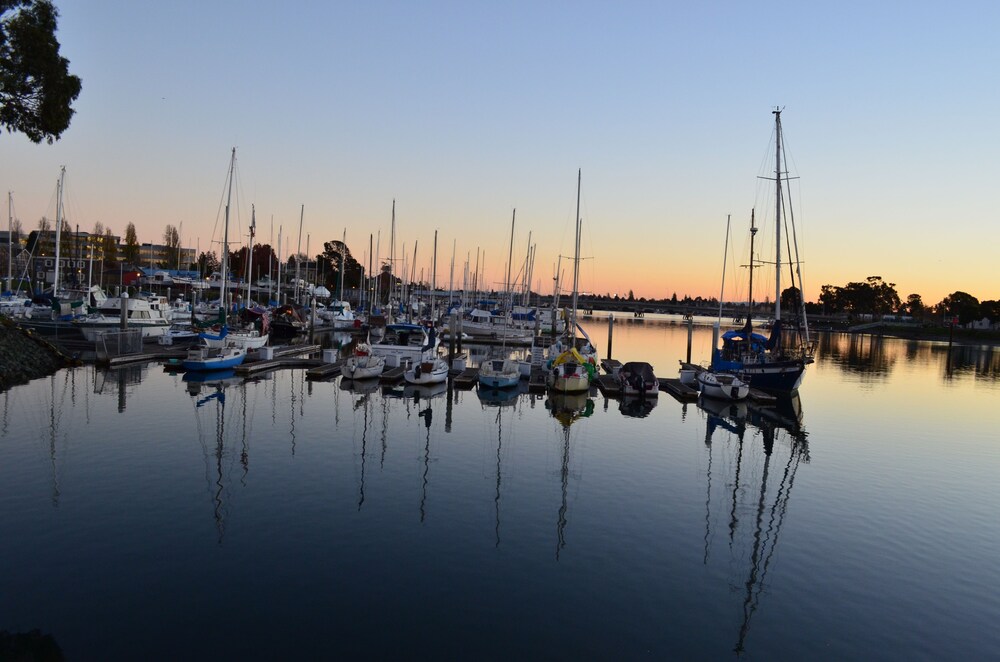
{"points": [[575, 361], [227, 356], [362, 363], [503, 372]]}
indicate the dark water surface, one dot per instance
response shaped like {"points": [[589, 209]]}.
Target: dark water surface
{"points": [[144, 516]]}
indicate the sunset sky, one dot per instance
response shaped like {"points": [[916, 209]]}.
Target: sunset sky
{"points": [[462, 111]]}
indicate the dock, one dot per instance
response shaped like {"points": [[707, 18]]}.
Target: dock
{"points": [[257, 367], [325, 370], [609, 385], [466, 379], [682, 392], [392, 375], [284, 357]]}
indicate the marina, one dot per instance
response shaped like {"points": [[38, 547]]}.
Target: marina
{"points": [[279, 507], [395, 385]]}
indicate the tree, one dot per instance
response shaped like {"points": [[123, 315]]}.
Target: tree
{"points": [[885, 295], [990, 309], [335, 252], [109, 247], [962, 305], [207, 263], [131, 250], [914, 306], [791, 300], [36, 88], [172, 240]]}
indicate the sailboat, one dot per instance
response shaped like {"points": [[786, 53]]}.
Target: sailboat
{"points": [[227, 356], [767, 363], [362, 363], [430, 368], [503, 372], [575, 359], [249, 337]]}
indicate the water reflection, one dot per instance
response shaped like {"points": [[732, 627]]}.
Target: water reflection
{"points": [[208, 390], [567, 408], [758, 501], [636, 406], [864, 354], [119, 381], [876, 358]]}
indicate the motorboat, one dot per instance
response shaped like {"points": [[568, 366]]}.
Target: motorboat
{"points": [[637, 379]]}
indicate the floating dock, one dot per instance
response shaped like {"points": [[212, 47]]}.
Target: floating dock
{"points": [[466, 379], [682, 392]]}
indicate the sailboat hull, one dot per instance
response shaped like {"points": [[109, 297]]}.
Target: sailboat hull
{"points": [[784, 376]]}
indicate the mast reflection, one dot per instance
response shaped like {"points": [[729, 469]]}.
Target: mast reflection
{"points": [[566, 408], [757, 540], [209, 391]]}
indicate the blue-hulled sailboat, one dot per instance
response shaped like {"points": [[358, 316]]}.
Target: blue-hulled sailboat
{"points": [[768, 363], [227, 356]]}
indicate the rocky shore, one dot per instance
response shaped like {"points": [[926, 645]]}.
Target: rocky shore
{"points": [[25, 355]]}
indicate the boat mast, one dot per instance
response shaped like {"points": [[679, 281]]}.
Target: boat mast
{"points": [[270, 260], [277, 287], [753, 231], [253, 230], [777, 214], [298, 253], [55, 279], [225, 240], [725, 256], [434, 268], [343, 264], [10, 243], [576, 256], [510, 255]]}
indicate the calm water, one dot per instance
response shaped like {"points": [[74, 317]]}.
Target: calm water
{"points": [[148, 517]]}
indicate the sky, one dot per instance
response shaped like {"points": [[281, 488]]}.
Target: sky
{"points": [[463, 111]]}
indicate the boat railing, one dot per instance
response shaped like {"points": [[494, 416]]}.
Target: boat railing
{"points": [[112, 343]]}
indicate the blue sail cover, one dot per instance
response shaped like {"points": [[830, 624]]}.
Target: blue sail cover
{"points": [[209, 336]]}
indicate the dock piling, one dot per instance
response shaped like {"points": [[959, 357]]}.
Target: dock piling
{"points": [[690, 325], [124, 319], [611, 332]]}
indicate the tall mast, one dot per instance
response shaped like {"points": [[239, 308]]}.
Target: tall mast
{"points": [[392, 255], [725, 256], [434, 268], [253, 230], [55, 280], [277, 290], [298, 252], [576, 256], [753, 232], [451, 276], [270, 260], [343, 264], [510, 255], [225, 240], [10, 238], [777, 214]]}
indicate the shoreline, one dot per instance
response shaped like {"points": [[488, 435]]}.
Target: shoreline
{"points": [[26, 355]]}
